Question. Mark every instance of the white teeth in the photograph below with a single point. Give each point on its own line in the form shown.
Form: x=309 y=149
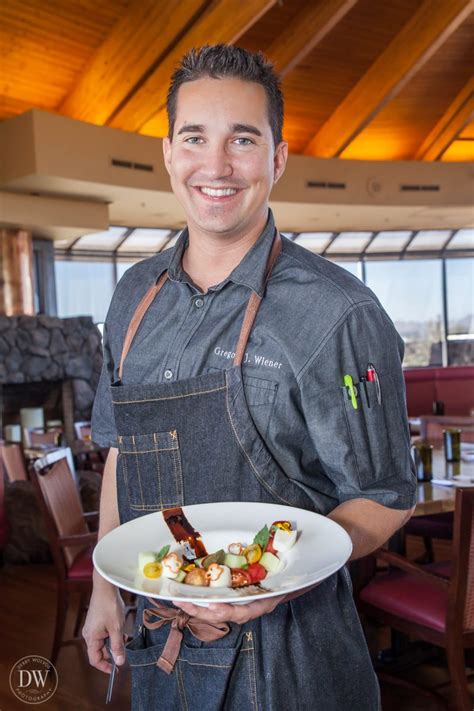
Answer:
x=215 y=192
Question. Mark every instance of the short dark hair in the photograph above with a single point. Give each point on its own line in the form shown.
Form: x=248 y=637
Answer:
x=223 y=60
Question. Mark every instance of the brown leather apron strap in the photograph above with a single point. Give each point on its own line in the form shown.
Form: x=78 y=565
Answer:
x=137 y=318
x=254 y=303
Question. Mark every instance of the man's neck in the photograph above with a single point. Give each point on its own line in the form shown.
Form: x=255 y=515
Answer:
x=208 y=259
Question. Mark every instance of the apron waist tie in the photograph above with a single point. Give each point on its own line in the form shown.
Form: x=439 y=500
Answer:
x=204 y=631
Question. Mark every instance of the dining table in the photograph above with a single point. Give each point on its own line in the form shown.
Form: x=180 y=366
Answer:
x=435 y=498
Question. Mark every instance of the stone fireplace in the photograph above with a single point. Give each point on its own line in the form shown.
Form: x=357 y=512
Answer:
x=49 y=362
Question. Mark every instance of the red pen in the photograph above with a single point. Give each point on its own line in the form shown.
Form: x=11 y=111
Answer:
x=372 y=377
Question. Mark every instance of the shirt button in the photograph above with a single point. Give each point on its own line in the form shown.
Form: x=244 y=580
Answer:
x=198 y=303
x=168 y=374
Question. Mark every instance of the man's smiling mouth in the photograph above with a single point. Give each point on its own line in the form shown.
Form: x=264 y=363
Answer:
x=217 y=192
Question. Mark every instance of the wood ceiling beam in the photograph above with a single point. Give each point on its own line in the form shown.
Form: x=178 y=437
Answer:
x=137 y=42
x=224 y=21
x=420 y=38
x=302 y=35
x=459 y=113
x=305 y=32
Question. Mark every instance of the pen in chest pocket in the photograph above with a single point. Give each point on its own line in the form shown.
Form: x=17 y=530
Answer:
x=363 y=381
x=351 y=390
x=372 y=377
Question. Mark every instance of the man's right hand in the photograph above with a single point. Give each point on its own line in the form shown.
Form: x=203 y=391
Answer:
x=105 y=618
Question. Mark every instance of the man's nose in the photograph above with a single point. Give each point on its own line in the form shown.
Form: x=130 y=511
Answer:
x=218 y=163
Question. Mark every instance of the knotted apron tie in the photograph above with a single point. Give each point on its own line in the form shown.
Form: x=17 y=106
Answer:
x=204 y=631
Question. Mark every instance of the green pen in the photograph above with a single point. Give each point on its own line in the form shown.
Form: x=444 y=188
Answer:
x=349 y=383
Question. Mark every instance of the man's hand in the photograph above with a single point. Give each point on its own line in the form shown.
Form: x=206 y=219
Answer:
x=105 y=618
x=225 y=612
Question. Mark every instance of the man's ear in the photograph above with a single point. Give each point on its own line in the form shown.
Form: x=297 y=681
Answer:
x=279 y=160
x=167 y=153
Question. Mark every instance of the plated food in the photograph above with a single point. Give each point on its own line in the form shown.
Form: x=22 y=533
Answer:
x=237 y=564
x=321 y=548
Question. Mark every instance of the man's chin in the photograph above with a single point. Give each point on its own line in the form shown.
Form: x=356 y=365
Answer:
x=217 y=226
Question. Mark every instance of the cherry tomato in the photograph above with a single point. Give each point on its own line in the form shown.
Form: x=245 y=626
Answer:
x=240 y=577
x=257 y=572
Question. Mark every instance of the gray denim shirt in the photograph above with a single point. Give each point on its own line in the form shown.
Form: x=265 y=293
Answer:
x=317 y=322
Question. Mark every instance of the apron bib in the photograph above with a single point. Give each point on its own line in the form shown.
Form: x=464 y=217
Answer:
x=194 y=441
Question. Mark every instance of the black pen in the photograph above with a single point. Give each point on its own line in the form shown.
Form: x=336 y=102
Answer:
x=363 y=380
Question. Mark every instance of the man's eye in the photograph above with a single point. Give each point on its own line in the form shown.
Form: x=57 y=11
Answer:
x=243 y=141
x=193 y=139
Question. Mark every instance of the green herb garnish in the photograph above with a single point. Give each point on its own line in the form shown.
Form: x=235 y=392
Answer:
x=162 y=553
x=217 y=557
x=262 y=537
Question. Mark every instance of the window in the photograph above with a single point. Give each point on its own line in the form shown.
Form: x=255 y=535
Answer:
x=349 y=242
x=84 y=288
x=145 y=240
x=460 y=304
x=410 y=292
x=314 y=241
x=392 y=241
x=105 y=241
x=352 y=267
x=122 y=268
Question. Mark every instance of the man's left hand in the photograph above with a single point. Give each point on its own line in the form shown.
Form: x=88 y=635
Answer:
x=225 y=612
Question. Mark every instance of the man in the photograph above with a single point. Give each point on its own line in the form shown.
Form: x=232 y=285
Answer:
x=224 y=380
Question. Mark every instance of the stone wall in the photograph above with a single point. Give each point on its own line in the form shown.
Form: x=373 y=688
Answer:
x=47 y=348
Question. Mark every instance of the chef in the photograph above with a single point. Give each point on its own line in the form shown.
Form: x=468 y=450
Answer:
x=240 y=367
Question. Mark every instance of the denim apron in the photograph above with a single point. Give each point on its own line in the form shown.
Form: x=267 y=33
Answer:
x=193 y=441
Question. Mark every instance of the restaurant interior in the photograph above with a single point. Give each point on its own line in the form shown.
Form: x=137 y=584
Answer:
x=379 y=118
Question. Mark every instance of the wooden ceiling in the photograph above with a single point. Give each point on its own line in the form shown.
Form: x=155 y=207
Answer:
x=363 y=79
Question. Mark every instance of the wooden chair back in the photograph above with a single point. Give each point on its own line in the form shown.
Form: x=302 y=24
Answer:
x=4 y=527
x=13 y=461
x=35 y=437
x=460 y=615
x=60 y=501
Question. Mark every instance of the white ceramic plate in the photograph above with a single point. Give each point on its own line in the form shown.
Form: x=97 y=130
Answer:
x=322 y=548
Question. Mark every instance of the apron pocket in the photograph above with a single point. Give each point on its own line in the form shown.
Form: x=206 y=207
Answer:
x=220 y=677
x=148 y=681
x=150 y=465
x=205 y=678
x=260 y=395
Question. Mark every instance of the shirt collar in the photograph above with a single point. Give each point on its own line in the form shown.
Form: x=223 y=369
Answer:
x=249 y=272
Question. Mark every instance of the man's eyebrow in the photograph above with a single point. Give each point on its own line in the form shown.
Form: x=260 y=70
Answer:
x=236 y=128
x=191 y=128
x=246 y=128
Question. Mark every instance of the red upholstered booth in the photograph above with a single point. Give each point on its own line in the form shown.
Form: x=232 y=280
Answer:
x=454 y=386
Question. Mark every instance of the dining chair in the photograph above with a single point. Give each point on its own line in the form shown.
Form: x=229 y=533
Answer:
x=34 y=437
x=13 y=461
x=4 y=526
x=83 y=431
x=437 y=526
x=70 y=538
x=433 y=603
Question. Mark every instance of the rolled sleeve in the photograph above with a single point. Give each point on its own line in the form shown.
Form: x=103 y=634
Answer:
x=364 y=451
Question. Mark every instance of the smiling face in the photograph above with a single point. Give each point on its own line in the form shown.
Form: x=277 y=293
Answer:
x=222 y=159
